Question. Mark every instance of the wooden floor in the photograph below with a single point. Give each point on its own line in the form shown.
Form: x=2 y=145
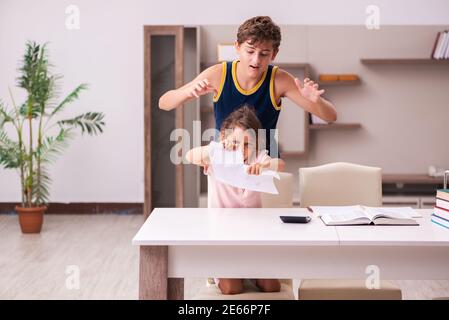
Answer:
x=99 y=246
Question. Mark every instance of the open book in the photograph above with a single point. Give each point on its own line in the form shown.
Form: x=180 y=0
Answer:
x=355 y=215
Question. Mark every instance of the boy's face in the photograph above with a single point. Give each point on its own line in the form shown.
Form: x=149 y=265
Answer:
x=255 y=57
x=243 y=140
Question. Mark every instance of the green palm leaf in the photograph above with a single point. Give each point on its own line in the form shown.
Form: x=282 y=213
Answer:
x=52 y=147
x=9 y=152
x=41 y=188
x=90 y=122
x=5 y=115
x=72 y=96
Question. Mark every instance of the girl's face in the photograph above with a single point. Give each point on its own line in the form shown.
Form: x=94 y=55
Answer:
x=255 y=58
x=243 y=140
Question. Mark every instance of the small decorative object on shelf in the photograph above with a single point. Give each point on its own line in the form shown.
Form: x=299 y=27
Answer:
x=335 y=79
x=328 y=77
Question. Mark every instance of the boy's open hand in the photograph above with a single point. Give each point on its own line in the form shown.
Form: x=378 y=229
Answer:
x=200 y=88
x=256 y=168
x=309 y=90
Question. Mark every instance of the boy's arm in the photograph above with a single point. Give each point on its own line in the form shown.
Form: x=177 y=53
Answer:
x=198 y=156
x=307 y=96
x=206 y=82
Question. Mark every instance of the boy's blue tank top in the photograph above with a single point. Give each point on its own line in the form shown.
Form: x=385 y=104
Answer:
x=231 y=96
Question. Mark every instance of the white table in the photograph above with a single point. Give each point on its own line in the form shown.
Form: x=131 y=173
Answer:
x=176 y=243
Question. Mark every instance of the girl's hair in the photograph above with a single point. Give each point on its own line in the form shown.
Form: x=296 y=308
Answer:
x=258 y=29
x=244 y=117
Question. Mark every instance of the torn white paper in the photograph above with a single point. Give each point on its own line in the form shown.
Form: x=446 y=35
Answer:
x=228 y=167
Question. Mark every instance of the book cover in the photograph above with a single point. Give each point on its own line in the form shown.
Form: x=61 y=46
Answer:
x=442 y=213
x=439 y=221
x=432 y=55
x=441 y=203
x=438 y=46
x=443 y=194
x=445 y=45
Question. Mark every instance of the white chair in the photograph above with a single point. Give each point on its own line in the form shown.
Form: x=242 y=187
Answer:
x=342 y=184
x=339 y=184
x=250 y=290
x=285 y=197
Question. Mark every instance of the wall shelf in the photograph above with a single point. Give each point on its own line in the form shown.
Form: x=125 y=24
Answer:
x=405 y=61
x=334 y=126
x=411 y=178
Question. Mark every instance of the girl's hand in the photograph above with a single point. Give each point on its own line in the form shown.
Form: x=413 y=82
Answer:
x=200 y=88
x=309 y=90
x=256 y=168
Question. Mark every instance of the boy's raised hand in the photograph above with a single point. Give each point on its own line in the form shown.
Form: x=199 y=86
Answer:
x=309 y=90
x=200 y=88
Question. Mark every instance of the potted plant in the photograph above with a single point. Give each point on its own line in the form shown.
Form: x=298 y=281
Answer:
x=41 y=134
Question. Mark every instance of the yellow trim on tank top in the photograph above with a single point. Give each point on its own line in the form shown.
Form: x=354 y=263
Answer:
x=272 y=97
x=240 y=89
x=222 y=81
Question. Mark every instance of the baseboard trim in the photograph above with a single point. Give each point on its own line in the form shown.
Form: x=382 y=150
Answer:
x=82 y=208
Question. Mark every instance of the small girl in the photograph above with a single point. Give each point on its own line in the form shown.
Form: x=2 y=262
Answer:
x=238 y=132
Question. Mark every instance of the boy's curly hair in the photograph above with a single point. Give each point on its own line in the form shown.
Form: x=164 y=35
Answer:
x=258 y=29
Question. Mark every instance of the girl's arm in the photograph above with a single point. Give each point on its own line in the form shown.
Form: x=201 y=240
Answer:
x=206 y=82
x=198 y=156
x=308 y=96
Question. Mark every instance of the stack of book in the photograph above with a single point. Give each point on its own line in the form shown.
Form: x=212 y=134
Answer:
x=440 y=214
x=441 y=46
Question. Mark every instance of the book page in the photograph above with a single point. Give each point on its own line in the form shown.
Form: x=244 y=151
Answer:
x=344 y=219
x=340 y=214
x=395 y=222
x=391 y=212
x=228 y=167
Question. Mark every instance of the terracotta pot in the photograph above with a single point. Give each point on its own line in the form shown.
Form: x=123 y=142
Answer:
x=31 y=219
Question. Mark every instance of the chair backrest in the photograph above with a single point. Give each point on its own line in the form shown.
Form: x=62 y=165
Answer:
x=340 y=183
x=285 y=197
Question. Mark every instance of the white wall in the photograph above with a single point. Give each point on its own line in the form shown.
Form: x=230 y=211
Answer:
x=107 y=52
